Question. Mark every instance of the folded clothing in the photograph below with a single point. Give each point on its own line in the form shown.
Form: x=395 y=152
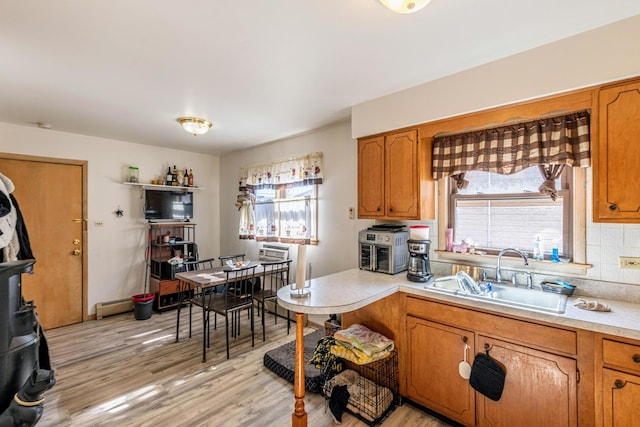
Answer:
x=364 y=339
x=591 y=305
x=352 y=354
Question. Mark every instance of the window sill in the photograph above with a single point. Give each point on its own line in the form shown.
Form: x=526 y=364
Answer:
x=510 y=262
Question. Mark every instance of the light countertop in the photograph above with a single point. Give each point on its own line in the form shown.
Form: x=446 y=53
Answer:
x=353 y=289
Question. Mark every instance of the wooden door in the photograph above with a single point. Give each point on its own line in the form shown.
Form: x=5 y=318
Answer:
x=401 y=175
x=621 y=394
x=617 y=158
x=50 y=195
x=433 y=377
x=540 y=388
x=371 y=198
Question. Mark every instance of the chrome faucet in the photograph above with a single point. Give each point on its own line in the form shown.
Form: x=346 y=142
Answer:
x=502 y=252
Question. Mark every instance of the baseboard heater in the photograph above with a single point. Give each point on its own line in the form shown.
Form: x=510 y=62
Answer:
x=109 y=308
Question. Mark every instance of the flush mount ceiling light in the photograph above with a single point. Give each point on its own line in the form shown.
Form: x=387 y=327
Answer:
x=405 y=6
x=194 y=125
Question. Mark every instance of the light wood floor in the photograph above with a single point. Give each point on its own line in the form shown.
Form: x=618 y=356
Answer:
x=122 y=372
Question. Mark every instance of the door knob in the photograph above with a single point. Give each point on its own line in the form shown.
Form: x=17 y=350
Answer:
x=76 y=251
x=76 y=241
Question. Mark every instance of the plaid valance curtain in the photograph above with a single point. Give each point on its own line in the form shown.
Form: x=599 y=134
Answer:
x=558 y=140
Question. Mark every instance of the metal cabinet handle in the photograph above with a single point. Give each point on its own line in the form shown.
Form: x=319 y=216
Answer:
x=618 y=383
x=76 y=251
x=612 y=207
x=636 y=358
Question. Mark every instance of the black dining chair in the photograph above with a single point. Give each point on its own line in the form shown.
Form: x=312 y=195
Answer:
x=197 y=297
x=230 y=261
x=274 y=277
x=236 y=296
x=233 y=258
x=186 y=294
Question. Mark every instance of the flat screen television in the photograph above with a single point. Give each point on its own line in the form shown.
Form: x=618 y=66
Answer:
x=162 y=205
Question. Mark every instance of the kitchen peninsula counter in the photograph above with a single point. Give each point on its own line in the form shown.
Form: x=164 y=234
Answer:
x=352 y=289
x=386 y=301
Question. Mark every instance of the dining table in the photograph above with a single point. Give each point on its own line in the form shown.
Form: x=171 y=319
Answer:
x=205 y=279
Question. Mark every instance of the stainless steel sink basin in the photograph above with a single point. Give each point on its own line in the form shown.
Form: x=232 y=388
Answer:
x=505 y=295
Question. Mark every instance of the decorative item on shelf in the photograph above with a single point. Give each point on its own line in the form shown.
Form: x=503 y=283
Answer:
x=180 y=178
x=194 y=125
x=133 y=174
x=174 y=176
x=449 y=236
x=169 y=177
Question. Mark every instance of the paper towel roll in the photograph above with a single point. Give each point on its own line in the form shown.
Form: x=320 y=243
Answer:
x=301 y=268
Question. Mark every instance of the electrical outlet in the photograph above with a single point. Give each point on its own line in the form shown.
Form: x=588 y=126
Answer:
x=98 y=224
x=351 y=213
x=629 y=262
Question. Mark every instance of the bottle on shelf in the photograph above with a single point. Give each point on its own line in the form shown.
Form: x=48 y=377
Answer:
x=169 y=176
x=174 y=174
x=555 y=256
x=538 y=248
x=190 y=179
x=186 y=177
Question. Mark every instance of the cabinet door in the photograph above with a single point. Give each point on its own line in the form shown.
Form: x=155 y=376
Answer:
x=433 y=379
x=621 y=394
x=401 y=175
x=618 y=154
x=371 y=202
x=540 y=388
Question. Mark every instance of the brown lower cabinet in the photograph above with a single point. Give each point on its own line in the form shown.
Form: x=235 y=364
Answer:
x=540 y=386
x=435 y=352
x=620 y=383
x=555 y=375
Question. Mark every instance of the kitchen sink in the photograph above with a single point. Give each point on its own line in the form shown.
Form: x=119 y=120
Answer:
x=503 y=294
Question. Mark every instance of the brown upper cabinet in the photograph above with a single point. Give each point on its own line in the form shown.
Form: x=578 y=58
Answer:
x=616 y=154
x=394 y=179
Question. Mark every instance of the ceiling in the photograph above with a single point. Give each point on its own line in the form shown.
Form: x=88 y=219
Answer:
x=260 y=71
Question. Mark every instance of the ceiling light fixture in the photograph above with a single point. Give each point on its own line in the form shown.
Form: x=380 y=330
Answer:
x=194 y=125
x=405 y=6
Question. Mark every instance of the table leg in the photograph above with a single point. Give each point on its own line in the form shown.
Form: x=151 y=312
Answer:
x=178 y=310
x=299 y=416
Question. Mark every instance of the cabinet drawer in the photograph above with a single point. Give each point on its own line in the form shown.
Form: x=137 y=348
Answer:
x=532 y=334
x=621 y=355
x=168 y=287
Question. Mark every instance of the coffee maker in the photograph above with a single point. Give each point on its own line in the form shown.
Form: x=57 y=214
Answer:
x=419 y=267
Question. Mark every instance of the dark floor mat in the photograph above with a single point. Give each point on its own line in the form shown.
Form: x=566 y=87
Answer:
x=281 y=361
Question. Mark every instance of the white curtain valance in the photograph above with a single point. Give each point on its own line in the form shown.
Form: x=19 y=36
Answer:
x=302 y=170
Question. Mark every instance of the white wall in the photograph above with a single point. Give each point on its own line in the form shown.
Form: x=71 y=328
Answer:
x=604 y=54
x=116 y=250
x=337 y=249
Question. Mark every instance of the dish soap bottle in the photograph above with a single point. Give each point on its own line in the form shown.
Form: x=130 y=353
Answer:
x=538 y=248
x=554 y=252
